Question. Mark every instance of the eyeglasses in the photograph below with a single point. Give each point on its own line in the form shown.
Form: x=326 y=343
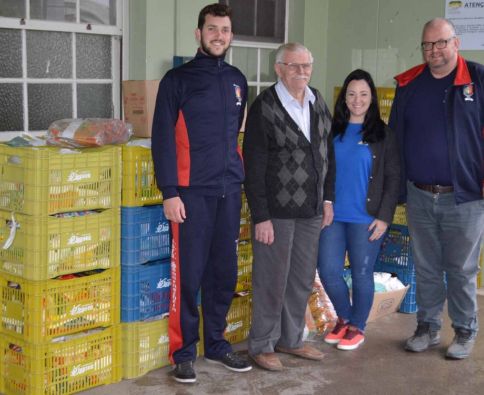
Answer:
x=440 y=44
x=296 y=66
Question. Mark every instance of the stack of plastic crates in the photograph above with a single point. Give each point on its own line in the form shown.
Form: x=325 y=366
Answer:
x=239 y=315
x=244 y=250
x=239 y=318
x=59 y=269
x=145 y=264
x=396 y=257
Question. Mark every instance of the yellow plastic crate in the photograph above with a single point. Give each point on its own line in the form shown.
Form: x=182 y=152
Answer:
x=385 y=100
x=139 y=184
x=37 y=311
x=47 y=180
x=2 y=388
x=239 y=319
x=145 y=346
x=400 y=216
x=244 y=230
x=245 y=219
x=244 y=212
x=66 y=367
x=240 y=139
x=45 y=247
x=244 y=266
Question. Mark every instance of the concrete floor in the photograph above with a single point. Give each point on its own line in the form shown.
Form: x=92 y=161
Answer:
x=380 y=366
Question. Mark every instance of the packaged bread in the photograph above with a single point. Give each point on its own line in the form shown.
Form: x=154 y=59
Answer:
x=88 y=132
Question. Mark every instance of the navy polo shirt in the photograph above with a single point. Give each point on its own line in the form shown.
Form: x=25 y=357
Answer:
x=425 y=147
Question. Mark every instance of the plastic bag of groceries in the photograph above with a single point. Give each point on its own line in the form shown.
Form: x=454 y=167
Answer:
x=88 y=132
x=321 y=308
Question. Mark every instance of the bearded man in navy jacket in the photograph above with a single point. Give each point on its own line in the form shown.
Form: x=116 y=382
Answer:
x=198 y=167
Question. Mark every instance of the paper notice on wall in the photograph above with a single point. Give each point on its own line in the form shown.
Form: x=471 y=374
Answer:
x=468 y=18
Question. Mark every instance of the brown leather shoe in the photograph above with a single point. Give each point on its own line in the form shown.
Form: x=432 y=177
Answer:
x=268 y=361
x=305 y=351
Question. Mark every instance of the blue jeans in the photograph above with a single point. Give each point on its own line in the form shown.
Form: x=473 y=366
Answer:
x=445 y=237
x=334 y=241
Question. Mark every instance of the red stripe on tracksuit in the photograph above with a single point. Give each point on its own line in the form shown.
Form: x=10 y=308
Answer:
x=174 y=325
x=239 y=151
x=182 y=151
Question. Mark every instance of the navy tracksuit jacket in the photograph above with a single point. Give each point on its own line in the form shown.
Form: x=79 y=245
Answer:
x=199 y=111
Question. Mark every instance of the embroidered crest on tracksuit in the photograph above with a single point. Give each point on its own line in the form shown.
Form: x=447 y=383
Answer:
x=238 y=95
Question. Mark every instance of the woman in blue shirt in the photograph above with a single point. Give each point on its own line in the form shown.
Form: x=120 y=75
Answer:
x=367 y=187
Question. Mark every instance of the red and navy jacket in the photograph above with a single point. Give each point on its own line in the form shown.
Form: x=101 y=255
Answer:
x=464 y=110
x=198 y=114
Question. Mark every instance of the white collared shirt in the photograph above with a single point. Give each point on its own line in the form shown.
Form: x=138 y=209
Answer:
x=299 y=113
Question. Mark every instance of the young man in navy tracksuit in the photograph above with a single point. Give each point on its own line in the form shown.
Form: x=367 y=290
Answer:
x=198 y=166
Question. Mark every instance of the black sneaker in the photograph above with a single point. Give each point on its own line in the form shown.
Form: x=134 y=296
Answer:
x=232 y=361
x=184 y=372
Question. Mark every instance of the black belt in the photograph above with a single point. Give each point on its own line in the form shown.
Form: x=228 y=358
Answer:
x=435 y=188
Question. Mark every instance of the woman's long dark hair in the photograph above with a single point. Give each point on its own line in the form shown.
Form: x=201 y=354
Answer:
x=373 y=126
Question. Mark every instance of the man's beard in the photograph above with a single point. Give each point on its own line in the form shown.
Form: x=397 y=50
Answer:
x=209 y=52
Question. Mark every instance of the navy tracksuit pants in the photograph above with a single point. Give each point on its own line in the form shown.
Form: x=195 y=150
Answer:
x=204 y=254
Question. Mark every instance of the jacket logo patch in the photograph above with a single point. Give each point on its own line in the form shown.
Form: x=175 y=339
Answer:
x=238 y=95
x=468 y=92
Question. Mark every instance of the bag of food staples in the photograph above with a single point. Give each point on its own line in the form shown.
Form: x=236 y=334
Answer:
x=88 y=132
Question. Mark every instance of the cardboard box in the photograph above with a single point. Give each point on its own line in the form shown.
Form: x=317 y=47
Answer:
x=386 y=302
x=139 y=99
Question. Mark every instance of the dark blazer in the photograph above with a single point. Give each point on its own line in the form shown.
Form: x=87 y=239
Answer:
x=384 y=185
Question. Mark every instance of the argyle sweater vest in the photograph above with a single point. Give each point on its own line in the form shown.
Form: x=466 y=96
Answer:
x=291 y=182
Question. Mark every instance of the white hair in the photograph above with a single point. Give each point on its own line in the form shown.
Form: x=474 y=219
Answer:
x=291 y=47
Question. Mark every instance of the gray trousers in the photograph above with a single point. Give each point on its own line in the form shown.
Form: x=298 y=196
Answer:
x=445 y=237
x=282 y=279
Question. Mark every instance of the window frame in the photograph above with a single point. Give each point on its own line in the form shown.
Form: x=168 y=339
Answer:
x=119 y=62
x=260 y=45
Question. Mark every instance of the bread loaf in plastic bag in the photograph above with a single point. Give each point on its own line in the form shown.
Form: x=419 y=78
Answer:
x=88 y=132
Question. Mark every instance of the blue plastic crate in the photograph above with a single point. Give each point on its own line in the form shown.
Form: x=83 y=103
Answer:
x=145 y=235
x=145 y=290
x=396 y=257
x=395 y=249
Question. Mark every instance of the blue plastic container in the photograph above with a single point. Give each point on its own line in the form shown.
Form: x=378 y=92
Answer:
x=145 y=235
x=145 y=290
x=396 y=257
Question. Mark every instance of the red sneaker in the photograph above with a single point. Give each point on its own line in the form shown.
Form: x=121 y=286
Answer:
x=337 y=333
x=351 y=340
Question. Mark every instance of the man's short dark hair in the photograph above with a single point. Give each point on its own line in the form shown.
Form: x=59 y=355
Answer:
x=215 y=9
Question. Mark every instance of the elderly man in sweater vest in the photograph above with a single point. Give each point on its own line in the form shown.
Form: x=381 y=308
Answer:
x=289 y=166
